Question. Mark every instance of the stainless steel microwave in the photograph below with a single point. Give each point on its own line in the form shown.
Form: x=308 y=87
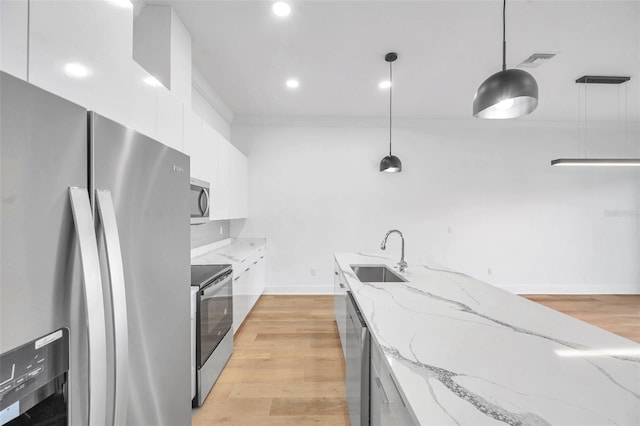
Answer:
x=199 y=201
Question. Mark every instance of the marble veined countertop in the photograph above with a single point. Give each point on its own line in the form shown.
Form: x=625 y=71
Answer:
x=234 y=252
x=467 y=353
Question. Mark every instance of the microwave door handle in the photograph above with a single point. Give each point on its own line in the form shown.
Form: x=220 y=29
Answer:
x=92 y=282
x=205 y=211
x=108 y=223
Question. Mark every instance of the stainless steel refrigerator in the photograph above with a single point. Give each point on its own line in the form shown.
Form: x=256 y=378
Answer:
x=95 y=238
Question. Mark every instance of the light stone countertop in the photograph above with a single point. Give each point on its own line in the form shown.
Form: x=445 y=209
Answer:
x=237 y=251
x=467 y=353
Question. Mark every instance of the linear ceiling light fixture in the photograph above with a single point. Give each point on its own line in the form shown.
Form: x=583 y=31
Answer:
x=599 y=162
x=508 y=93
x=390 y=163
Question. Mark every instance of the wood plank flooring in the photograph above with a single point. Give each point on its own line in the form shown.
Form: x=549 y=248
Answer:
x=619 y=314
x=287 y=366
x=286 y=369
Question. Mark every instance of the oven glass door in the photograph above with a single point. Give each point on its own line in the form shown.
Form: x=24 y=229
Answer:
x=215 y=317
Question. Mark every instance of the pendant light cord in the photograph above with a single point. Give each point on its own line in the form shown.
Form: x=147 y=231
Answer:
x=504 y=36
x=390 y=97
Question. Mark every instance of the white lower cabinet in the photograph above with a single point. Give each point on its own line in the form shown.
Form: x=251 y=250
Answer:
x=249 y=282
x=386 y=405
x=240 y=299
x=257 y=278
x=340 y=306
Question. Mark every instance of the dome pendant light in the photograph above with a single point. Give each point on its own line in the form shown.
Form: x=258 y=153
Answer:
x=390 y=163
x=508 y=93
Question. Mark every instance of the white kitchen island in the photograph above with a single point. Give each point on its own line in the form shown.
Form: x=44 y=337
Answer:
x=464 y=352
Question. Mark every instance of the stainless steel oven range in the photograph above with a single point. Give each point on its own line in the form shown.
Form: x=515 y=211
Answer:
x=214 y=321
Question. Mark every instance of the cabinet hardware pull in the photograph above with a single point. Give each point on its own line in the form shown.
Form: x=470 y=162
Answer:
x=397 y=390
x=385 y=398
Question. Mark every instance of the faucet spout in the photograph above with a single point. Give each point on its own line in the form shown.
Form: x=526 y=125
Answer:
x=402 y=265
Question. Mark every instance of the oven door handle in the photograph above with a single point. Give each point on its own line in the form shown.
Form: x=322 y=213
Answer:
x=108 y=225
x=215 y=287
x=92 y=282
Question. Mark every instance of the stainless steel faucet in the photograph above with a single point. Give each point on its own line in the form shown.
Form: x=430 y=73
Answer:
x=402 y=265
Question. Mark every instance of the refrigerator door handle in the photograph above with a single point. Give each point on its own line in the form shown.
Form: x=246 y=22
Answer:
x=88 y=248
x=107 y=216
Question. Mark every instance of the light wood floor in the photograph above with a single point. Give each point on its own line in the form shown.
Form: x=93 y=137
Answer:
x=287 y=366
x=619 y=314
x=286 y=369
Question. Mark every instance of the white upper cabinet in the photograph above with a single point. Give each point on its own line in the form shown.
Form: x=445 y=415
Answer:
x=210 y=152
x=221 y=196
x=170 y=119
x=81 y=50
x=144 y=100
x=192 y=142
x=238 y=185
x=14 y=18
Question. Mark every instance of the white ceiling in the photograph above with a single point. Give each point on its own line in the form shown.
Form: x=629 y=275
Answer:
x=446 y=49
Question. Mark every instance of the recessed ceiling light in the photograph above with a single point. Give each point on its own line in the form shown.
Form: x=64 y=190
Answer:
x=76 y=70
x=281 y=8
x=152 y=81
x=384 y=84
x=293 y=84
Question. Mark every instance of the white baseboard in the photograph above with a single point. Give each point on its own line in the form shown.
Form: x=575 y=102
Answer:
x=574 y=289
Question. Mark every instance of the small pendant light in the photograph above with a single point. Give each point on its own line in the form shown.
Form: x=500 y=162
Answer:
x=390 y=163
x=508 y=93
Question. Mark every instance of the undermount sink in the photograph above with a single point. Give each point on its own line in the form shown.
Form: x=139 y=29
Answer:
x=376 y=274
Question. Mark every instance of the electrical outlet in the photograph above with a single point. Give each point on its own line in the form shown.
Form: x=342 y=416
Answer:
x=313 y=272
x=221 y=230
x=489 y=271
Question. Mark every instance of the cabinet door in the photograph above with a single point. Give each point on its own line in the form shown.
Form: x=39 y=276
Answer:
x=144 y=117
x=240 y=299
x=340 y=306
x=170 y=119
x=211 y=151
x=379 y=412
x=256 y=278
x=261 y=273
x=387 y=406
x=192 y=136
x=221 y=197
x=95 y=36
x=238 y=198
x=14 y=17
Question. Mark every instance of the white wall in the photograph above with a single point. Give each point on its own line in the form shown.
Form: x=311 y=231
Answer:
x=473 y=195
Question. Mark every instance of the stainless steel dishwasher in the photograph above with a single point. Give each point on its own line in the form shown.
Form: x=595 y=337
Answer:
x=358 y=354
